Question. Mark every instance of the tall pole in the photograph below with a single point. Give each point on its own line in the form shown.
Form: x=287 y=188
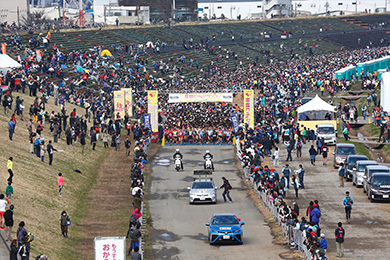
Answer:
x=17 y=11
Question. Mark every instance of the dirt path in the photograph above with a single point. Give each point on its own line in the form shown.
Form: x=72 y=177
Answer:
x=109 y=203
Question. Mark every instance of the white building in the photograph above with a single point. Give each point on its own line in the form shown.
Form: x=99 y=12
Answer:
x=277 y=8
x=231 y=9
x=125 y=14
x=13 y=11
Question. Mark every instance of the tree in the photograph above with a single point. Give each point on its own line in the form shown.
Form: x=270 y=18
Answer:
x=35 y=18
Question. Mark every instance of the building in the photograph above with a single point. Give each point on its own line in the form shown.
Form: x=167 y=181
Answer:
x=230 y=9
x=164 y=9
x=13 y=11
x=125 y=14
x=277 y=8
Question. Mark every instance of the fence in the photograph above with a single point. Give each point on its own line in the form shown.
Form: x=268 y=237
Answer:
x=294 y=237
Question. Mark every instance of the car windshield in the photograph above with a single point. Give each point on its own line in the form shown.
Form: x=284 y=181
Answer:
x=326 y=130
x=346 y=150
x=225 y=220
x=377 y=170
x=381 y=180
x=362 y=167
x=352 y=161
x=202 y=185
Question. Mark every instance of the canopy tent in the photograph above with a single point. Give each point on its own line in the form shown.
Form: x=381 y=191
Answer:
x=316 y=104
x=7 y=63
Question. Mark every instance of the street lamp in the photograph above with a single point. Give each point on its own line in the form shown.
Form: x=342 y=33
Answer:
x=231 y=11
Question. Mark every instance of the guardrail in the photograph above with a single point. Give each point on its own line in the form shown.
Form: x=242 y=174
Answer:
x=294 y=237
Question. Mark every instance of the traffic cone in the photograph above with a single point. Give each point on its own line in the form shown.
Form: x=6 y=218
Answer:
x=163 y=141
x=369 y=120
x=234 y=141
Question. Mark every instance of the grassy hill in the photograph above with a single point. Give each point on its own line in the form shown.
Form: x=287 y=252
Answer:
x=36 y=198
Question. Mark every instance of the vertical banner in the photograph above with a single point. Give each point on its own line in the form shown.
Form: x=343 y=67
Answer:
x=129 y=101
x=249 y=108
x=3 y=48
x=147 y=123
x=119 y=102
x=152 y=109
x=234 y=117
x=110 y=248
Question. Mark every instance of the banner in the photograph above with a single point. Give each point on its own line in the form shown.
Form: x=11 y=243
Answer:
x=3 y=48
x=110 y=248
x=152 y=109
x=147 y=123
x=235 y=122
x=200 y=97
x=129 y=101
x=119 y=102
x=249 y=108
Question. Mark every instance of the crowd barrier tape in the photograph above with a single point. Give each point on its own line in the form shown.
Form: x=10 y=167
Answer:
x=294 y=238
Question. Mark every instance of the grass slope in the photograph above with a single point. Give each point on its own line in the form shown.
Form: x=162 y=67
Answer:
x=36 y=197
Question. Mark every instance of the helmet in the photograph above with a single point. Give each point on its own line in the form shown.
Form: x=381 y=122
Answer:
x=207 y=151
x=177 y=150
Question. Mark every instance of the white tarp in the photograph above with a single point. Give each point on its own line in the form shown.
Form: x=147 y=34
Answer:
x=385 y=91
x=200 y=97
x=7 y=63
x=316 y=104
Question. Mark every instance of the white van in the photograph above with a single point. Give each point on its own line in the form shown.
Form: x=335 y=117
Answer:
x=328 y=132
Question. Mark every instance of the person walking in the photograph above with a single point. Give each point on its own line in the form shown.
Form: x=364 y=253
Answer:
x=64 y=222
x=341 y=174
x=340 y=235
x=275 y=157
x=82 y=141
x=9 y=191
x=289 y=150
x=127 y=145
x=11 y=128
x=60 y=181
x=287 y=172
x=227 y=187
x=10 y=166
x=50 y=150
x=3 y=202
x=325 y=150
x=301 y=174
x=134 y=234
x=348 y=202
x=312 y=153
x=295 y=183
x=9 y=222
x=299 y=148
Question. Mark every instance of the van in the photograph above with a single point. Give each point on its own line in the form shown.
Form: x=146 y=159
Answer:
x=327 y=132
x=369 y=171
x=350 y=163
x=341 y=151
x=379 y=186
x=358 y=172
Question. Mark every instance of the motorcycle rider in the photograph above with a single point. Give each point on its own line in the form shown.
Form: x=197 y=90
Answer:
x=208 y=155
x=178 y=155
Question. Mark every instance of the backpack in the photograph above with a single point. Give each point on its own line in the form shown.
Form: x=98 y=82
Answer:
x=132 y=219
x=319 y=214
x=349 y=202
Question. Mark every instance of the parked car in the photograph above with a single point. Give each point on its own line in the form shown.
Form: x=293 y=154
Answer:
x=327 y=132
x=341 y=151
x=358 y=171
x=379 y=186
x=350 y=163
x=369 y=171
x=225 y=227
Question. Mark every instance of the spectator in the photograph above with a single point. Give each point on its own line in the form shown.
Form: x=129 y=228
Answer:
x=60 y=181
x=64 y=222
x=9 y=222
x=50 y=151
x=20 y=231
x=10 y=166
x=348 y=202
x=341 y=174
x=13 y=255
x=9 y=191
x=323 y=242
x=3 y=202
x=340 y=235
x=312 y=153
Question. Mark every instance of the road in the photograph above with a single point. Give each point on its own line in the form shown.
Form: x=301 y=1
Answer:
x=4 y=249
x=367 y=237
x=179 y=230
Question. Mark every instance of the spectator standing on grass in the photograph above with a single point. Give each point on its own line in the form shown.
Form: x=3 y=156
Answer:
x=60 y=181
x=341 y=174
x=64 y=222
x=50 y=150
x=9 y=222
x=13 y=255
x=348 y=202
x=127 y=145
x=10 y=166
x=105 y=138
x=3 y=202
x=43 y=151
x=20 y=231
x=11 y=128
x=340 y=235
x=9 y=191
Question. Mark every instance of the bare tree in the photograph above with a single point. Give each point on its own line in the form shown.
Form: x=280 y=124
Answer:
x=35 y=18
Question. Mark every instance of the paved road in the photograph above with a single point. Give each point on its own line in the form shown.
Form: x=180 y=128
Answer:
x=4 y=250
x=179 y=230
x=367 y=236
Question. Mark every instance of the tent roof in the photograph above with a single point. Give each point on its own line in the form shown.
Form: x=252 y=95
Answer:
x=316 y=104
x=7 y=62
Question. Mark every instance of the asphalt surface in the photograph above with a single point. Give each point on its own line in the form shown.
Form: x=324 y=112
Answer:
x=179 y=230
x=367 y=237
x=4 y=250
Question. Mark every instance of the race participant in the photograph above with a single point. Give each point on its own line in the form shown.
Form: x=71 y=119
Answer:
x=178 y=154
x=208 y=155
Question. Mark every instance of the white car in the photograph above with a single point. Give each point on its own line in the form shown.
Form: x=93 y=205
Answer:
x=203 y=190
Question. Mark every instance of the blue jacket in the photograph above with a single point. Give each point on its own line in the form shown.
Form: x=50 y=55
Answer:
x=324 y=243
x=346 y=204
x=315 y=215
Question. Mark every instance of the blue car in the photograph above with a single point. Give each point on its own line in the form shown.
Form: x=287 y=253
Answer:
x=225 y=227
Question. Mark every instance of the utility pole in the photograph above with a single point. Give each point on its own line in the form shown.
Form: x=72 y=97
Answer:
x=327 y=7
x=17 y=11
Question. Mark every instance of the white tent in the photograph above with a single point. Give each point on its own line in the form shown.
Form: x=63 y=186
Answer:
x=7 y=63
x=316 y=104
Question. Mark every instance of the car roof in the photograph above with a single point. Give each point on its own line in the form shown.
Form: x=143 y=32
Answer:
x=319 y=125
x=356 y=156
x=367 y=162
x=375 y=174
x=224 y=214
x=345 y=145
x=203 y=180
x=376 y=167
